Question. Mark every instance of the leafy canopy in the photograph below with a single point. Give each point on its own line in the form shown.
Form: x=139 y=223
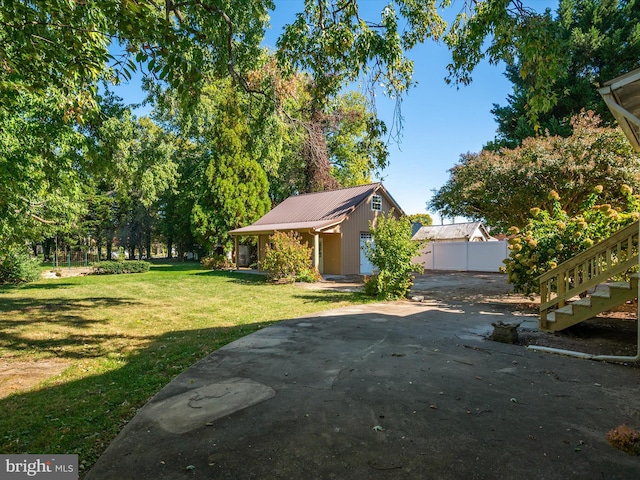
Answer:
x=500 y=188
x=600 y=40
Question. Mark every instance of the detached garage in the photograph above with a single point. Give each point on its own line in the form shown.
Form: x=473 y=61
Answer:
x=334 y=223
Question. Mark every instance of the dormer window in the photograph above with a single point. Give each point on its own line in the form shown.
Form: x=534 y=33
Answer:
x=376 y=203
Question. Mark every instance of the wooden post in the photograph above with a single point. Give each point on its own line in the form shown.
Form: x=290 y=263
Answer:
x=316 y=251
x=236 y=250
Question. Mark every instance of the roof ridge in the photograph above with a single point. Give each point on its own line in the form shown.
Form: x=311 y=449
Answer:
x=335 y=189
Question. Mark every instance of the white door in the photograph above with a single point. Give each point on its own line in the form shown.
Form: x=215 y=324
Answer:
x=366 y=267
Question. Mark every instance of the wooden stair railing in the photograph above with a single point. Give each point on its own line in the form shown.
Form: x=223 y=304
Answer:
x=613 y=256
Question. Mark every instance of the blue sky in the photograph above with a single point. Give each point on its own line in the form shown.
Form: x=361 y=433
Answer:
x=441 y=122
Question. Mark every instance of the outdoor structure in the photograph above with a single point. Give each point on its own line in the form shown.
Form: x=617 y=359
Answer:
x=460 y=247
x=456 y=232
x=622 y=96
x=335 y=223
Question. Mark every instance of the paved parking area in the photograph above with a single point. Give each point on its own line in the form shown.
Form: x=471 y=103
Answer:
x=388 y=390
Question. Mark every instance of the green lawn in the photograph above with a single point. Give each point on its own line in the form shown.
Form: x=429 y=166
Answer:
x=125 y=337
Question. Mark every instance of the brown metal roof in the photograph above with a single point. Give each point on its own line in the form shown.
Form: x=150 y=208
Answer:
x=315 y=211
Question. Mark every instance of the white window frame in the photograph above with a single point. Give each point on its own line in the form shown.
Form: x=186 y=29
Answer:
x=376 y=203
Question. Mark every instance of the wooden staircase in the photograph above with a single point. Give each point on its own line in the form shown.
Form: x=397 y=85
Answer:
x=582 y=287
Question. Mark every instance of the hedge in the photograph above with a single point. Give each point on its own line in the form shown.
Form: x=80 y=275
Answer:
x=113 y=268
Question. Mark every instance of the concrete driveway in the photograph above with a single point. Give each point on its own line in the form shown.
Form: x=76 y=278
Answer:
x=383 y=391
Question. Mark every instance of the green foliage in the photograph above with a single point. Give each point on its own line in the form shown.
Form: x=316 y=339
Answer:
x=391 y=253
x=501 y=187
x=222 y=185
x=553 y=236
x=513 y=33
x=599 y=41
x=337 y=45
x=66 y=46
x=423 y=218
x=286 y=258
x=40 y=170
x=216 y=262
x=308 y=275
x=16 y=266
x=355 y=145
x=115 y=267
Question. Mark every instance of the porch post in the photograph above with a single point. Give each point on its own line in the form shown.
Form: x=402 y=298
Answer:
x=316 y=251
x=236 y=251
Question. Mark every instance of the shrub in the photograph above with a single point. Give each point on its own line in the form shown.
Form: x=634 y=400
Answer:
x=552 y=237
x=625 y=439
x=16 y=266
x=308 y=275
x=392 y=252
x=371 y=286
x=216 y=262
x=118 y=267
x=286 y=257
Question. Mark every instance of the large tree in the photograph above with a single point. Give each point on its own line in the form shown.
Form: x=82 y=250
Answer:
x=59 y=51
x=234 y=190
x=501 y=187
x=41 y=170
x=601 y=40
x=222 y=185
x=70 y=45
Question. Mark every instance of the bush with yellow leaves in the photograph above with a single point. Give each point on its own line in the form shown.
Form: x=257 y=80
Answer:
x=552 y=237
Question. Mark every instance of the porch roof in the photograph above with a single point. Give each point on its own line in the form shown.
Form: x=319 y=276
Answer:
x=622 y=96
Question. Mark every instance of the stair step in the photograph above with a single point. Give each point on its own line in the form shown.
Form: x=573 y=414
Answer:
x=601 y=294
x=583 y=302
x=624 y=285
x=566 y=310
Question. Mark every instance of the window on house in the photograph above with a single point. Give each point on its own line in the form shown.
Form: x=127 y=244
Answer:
x=376 y=203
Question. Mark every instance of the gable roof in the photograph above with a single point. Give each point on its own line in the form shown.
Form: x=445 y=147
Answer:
x=315 y=211
x=449 y=232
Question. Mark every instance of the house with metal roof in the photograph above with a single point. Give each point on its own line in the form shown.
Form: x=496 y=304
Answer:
x=334 y=223
x=455 y=232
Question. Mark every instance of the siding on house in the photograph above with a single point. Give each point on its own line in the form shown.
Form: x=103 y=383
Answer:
x=358 y=222
x=338 y=217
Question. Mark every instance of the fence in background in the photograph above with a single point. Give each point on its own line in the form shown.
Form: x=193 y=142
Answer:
x=73 y=259
x=464 y=256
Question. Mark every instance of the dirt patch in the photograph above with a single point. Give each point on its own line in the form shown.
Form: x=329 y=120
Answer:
x=16 y=375
x=610 y=333
x=66 y=272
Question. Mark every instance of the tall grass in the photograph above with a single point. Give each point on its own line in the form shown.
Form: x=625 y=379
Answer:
x=123 y=338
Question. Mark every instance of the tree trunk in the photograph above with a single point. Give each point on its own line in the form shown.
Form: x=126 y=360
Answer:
x=169 y=248
x=149 y=253
x=316 y=157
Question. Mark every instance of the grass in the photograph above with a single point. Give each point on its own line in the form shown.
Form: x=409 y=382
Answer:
x=124 y=338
